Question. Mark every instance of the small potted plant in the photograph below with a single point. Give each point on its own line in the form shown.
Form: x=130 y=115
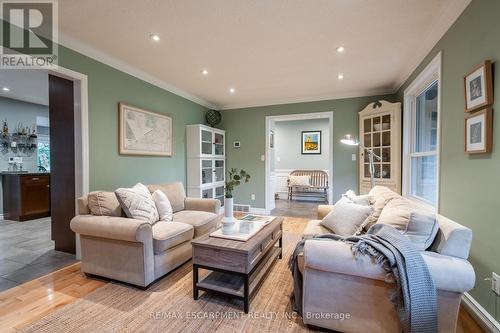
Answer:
x=235 y=177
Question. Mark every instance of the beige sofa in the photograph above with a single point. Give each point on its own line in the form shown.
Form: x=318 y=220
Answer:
x=335 y=283
x=135 y=251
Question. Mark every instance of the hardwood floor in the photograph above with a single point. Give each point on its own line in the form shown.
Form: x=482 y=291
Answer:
x=33 y=300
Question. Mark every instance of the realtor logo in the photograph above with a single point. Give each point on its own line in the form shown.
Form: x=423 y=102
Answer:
x=29 y=34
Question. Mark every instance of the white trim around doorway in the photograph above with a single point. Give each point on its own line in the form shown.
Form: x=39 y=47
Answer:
x=269 y=199
x=80 y=84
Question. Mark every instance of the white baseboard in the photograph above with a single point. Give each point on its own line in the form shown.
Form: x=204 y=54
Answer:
x=1 y=216
x=482 y=317
x=259 y=211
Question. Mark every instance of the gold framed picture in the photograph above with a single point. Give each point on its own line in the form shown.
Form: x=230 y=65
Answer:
x=479 y=132
x=143 y=132
x=478 y=86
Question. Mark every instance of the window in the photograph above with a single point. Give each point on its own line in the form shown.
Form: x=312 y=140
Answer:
x=421 y=137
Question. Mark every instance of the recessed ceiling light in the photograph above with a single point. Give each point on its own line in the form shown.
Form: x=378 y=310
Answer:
x=5 y=89
x=204 y=72
x=232 y=90
x=340 y=49
x=340 y=76
x=155 y=37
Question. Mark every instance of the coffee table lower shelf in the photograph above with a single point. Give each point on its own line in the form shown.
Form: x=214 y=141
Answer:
x=234 y=284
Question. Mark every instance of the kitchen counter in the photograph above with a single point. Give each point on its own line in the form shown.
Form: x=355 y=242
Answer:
x=28 y=173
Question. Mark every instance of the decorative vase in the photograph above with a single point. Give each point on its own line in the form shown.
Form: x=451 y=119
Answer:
x=228 y=222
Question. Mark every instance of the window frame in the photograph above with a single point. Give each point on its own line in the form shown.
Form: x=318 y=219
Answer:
x=430 y=75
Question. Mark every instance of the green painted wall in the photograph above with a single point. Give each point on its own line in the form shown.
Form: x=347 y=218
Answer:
x=108 y=86
x=248 y=126
x=470 y=185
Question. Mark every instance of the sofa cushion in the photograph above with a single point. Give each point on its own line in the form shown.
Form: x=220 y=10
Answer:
x=175 y=194
x=203 y=222
x=137 y=203
x=381 y=196
x=346 y=217
x=163 y=206
x=314 y=228
x=397 y=213
x=169 y=234
x=422 y=229
x=102 y=203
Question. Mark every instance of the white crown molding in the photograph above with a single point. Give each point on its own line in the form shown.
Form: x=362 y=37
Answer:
x=125 y=67
x=442 y=25
x=291 y=100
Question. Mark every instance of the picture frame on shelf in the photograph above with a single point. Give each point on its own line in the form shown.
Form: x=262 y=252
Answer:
x=478 y=87
x=479 y=132
x=143 y=132
x=311 y=142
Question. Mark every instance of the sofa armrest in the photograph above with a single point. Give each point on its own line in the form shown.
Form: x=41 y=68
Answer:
x=323 y=210
x=450 y=273
x=118 y=228
x=337 y=257
x=202 y=204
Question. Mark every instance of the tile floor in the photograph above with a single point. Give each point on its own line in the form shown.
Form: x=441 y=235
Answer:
x=27 y=252
x=295 y=208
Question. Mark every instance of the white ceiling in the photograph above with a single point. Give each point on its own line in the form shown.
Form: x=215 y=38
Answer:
x=26 y=85
x=271 y=52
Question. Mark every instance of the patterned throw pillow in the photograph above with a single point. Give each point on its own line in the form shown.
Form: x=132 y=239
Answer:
x=300 y=180
x=137 y=203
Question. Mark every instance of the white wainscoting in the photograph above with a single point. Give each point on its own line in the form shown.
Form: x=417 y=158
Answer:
x=280 y=184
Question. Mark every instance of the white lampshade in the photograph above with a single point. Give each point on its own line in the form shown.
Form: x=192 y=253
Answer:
x=350 y=140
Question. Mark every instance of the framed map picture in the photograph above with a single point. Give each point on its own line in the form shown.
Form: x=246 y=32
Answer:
x=311 y=142
x=479 y=132
x=478 y=86
x=143 y=132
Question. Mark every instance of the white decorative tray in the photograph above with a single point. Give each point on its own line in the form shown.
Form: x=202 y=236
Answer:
x=259 y=222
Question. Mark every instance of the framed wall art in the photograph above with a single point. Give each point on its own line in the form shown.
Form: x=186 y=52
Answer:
x=311 y=142
x=479 y=132
x=143 y=132
x=478 y=86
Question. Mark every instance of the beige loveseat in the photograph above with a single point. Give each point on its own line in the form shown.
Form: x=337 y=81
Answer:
x=135 y=251
x=336 y=284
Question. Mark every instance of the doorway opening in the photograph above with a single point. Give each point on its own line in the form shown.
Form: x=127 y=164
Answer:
x=35 y=238
x=299 y=145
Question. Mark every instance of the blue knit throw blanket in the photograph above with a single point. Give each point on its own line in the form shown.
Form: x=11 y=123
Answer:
x=415 y=297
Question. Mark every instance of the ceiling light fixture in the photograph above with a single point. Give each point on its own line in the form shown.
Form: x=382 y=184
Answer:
x=204 y=72
x=5 y=89
x=340 y=76
x=232 y=90
x=155 y=37
x=340 y=49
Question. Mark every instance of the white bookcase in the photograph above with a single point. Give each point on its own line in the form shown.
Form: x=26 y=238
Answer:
x=380 y=130
x=206 y=162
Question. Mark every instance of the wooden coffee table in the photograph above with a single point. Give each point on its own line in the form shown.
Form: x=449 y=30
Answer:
x=237 y=268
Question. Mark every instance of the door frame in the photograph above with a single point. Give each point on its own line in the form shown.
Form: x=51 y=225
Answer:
x=269 y=199
x=80 y=88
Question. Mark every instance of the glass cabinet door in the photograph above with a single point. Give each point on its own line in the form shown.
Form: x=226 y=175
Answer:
x=206 y=142
x=219 y=144
x=219 y=170
x=219 y=194
x=207 y=194
x=207 y=172
x=376 y=136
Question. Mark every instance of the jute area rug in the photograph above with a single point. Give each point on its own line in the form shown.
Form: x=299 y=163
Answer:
x=168 y=306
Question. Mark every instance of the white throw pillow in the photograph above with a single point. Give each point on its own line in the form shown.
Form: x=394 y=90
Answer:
x=346 y=217
x=364 y=199
x=299 y=180
x=137 y=203
x=163 y=206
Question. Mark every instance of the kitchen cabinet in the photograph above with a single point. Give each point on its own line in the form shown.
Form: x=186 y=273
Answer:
x=26 y=196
